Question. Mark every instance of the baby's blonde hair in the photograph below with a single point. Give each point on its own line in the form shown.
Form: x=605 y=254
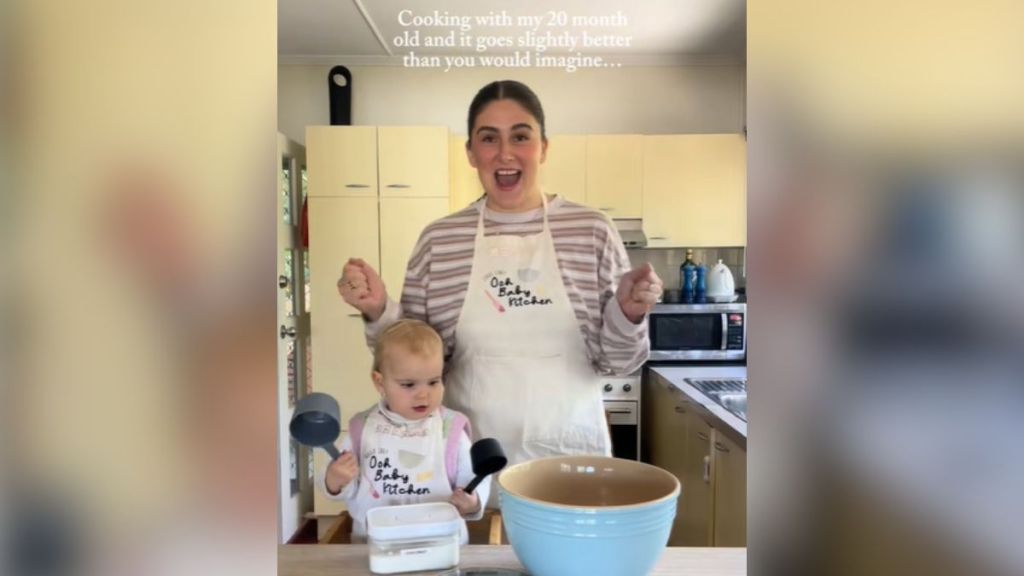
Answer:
x=413 y=336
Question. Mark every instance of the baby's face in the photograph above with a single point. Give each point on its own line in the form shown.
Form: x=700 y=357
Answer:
x=411 y=383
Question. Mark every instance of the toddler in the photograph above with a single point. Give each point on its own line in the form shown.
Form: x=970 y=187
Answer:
x=407 y=449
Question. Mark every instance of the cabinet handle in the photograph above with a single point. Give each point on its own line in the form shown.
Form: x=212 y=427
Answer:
x=356 y=315
x=607 y=208
x=399 y=186
x=357 y=185
x=721 y=448
x=707 y=469
x=703 y=436
x=680 y=410
x=659 y=237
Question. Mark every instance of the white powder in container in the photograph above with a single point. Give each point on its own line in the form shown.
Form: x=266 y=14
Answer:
x=414 y=555
x=413 y=537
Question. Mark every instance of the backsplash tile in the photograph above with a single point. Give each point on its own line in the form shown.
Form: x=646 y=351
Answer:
x=666 y=262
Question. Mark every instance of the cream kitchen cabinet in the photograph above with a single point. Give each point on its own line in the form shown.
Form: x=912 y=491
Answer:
x=680 y=442
x=407 y=187
x=694 y=190
x=390 y=161
x=667 y=415
x=401 y=222
x=413 y=161
x=664 y=426
x=615 y=174
x=564 y=172
x=339 y=228
x=711 y=467
x=342 y=160
x=730 y=466
x=696 y=504
x=383 y=232
x=465 y=184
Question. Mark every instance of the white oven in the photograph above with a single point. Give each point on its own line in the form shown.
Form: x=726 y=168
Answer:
x=622 y=407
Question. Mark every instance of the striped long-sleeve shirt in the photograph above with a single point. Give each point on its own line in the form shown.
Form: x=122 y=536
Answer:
x=590 y=255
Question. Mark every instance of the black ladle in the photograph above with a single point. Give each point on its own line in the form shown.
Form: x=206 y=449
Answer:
x=488 y=458
x=316 y=422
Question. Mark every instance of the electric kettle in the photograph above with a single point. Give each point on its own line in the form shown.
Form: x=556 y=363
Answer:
x=721 y=286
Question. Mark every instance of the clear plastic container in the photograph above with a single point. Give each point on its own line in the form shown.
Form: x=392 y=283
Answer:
x=413 y=537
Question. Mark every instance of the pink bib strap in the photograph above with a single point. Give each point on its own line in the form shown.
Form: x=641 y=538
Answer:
x=355 y=431
x=455 y=423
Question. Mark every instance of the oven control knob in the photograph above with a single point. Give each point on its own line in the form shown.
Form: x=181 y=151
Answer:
x=627 y=387
x=608 y=387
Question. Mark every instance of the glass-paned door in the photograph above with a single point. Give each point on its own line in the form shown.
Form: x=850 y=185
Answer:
x=296 y=487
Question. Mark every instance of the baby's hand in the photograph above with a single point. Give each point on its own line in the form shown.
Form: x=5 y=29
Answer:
x=467 y=504
x=341 y=472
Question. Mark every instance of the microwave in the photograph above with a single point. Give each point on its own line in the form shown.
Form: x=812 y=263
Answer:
x=698 y=332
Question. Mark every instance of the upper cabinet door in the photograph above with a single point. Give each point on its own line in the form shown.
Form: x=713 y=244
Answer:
x=695 y=191
x=413 y=161
x=564 y=172
x=342 y=160
x=465 y=183
x=615 y=168
x=662 y=213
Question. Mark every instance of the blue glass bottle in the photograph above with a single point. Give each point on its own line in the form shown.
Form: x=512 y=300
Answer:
x=700 y=288
x=689 y=281
x=688 y=278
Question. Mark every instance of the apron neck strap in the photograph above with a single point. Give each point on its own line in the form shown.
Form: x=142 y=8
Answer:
x=483 y=208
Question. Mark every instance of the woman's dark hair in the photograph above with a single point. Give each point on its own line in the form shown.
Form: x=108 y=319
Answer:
x=506 y=90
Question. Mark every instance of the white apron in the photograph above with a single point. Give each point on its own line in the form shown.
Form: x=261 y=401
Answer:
x=520 y=370
x=402 y=463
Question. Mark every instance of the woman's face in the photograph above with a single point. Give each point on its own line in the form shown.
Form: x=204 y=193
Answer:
x=507 y=149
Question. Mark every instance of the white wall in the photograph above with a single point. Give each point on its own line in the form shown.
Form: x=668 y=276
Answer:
x=639 y=100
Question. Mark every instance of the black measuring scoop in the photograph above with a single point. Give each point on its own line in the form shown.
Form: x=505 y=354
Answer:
x=488 y=458
x=317 y=422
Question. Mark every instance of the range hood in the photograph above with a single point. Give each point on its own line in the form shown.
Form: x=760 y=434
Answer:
x=631 y=231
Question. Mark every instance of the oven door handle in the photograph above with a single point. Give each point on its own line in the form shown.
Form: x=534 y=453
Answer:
x=725 y=331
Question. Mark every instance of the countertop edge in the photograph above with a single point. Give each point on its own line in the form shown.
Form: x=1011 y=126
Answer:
x=343 y=559
x=709 y=408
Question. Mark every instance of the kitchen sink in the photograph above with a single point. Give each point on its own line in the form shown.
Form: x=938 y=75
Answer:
x=735 y=403
x=713 y=386
x=729 y=393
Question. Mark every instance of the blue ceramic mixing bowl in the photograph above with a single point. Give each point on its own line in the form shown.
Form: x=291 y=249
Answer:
x=587 y=515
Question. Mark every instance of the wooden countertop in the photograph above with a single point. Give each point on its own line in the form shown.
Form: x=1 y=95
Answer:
x=346 y=560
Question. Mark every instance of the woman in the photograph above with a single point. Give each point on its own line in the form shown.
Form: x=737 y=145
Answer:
x=532 y=294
